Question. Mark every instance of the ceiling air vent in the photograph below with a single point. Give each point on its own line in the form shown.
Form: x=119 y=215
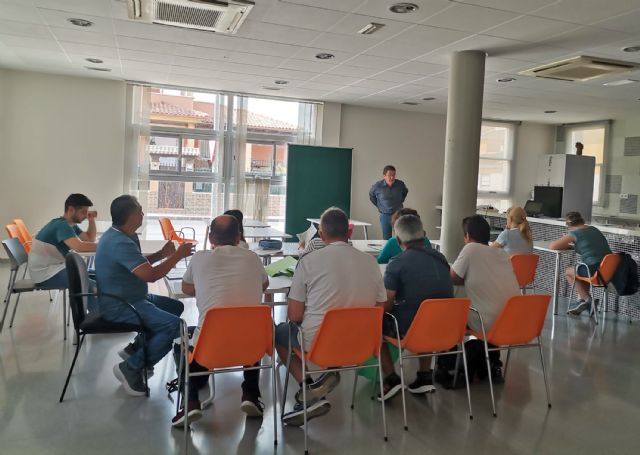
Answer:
x=580 y=69
x=208 y=15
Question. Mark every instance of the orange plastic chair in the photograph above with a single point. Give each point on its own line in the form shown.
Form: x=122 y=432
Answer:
x=345 y=340
x=600 y=279
x=524 y=267
x=439 y=325
x=222 y=348
x=518 y=324
x=169 y=233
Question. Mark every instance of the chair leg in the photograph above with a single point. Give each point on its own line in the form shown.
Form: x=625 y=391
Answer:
x=286 y=383
x=73 y=364
x=64 y=314
x=466 y=378
x=493 y=401
x=455 y=372
x=274 y=398
x=185 y=402
x=355 y=384
x=605 y=303
x=304 y=403
x=506 y=365
x=382 y=402
x=145 y=357
x=9 y=286
x=15 y=307
x=7 y=298
x=544 y=373
x=404 y=400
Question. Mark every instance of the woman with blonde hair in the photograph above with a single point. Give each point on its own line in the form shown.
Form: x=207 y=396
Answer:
x=516 y=238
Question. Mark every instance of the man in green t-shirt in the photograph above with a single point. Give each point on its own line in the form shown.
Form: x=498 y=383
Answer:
x=57 y=238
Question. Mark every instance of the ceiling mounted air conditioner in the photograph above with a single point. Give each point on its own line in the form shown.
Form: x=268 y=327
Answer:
x=580 y=68
x=208 y=15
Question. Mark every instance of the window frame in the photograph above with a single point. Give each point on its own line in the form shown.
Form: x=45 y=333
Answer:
x=512 y=128
x=569 y=149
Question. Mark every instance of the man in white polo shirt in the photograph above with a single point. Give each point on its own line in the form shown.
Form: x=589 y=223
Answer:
x=226 y=275
x=335 y=276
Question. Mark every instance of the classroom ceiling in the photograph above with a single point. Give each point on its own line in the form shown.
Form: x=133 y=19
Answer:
x=405 y=61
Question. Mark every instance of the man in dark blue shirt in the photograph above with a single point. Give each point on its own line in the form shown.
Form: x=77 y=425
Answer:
x=388 y=195
x=416 y=274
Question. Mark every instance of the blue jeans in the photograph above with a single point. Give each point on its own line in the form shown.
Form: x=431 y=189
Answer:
x=160 y=316
x=385 y=224
x=61 y=281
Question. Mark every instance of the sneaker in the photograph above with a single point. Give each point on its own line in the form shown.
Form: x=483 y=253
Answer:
x=194 y=414
x=422 y=384
x=579 y=307
x=127 y=352
x=251 y=405
x=496 y=375
x=295 y=418
x=392 y=385
x=131 y=379
x=320 y=388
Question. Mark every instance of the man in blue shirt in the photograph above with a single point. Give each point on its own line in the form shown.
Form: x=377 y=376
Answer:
x=123 y=271
x=388 y=195
x=416 y=274
x=56 y=238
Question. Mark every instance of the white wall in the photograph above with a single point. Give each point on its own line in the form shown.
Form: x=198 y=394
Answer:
x=60 y=135
x=412 y=142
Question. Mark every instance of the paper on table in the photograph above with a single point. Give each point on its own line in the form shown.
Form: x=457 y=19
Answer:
x=284 y=267
x=307 y=235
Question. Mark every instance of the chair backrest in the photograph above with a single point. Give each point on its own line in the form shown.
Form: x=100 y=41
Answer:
x=524 y=267
x=23 y=229
x=438 y=325
x=520 y=321
x=347 y=336
x=168 y=232
x=608 y=268
x=16 y=252
x=14 y=232
x=78 y=284
x=234 y=336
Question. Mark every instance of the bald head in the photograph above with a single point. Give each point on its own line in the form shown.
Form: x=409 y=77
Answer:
x=225 y=230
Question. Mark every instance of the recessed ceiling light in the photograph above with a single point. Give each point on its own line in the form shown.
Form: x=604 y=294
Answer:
x=80 y=22
x=94 y=60
x=275 y=89
x=370 y=28
x=325 y=56
x=631 y=49
x=97 y=68
x=403 y=8
x=280 y=82
x=620 y=82
x=410 y=103
x=506 y=79
x=428 y=98
x=550 y=112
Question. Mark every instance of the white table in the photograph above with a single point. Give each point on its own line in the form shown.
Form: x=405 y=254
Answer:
x=542 y=245
x=264 y=232
x=372 y=247
x=364 y=224
x=288 y=249
x=255 y=224
x=435 y=243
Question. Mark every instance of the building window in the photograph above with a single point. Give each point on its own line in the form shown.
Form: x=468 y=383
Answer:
x=496 y=155
x=593 y=138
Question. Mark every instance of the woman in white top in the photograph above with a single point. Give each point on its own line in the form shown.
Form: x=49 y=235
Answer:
x=516 y=238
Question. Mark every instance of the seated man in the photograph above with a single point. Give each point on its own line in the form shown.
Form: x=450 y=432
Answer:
x=416 y=274
x=57 y=238
x=335 y=276
x=123 y=271
x=226 y=275
x=488 y=279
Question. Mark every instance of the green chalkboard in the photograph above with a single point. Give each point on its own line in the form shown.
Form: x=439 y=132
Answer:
x=317 y=178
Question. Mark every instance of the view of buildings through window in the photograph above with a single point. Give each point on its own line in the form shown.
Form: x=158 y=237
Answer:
x=210 y=152
x=496 y=152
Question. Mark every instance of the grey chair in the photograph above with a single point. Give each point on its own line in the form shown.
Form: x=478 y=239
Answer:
x=18 y=258
x=92 y=323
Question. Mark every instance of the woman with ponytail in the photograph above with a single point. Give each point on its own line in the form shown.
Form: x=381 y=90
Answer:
x=516 y=238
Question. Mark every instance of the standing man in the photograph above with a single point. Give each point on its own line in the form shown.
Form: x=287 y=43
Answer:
x=57 y=238
x=388 y=195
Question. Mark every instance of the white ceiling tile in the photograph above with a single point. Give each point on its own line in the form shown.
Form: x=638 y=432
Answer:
x=190 y=71
x=143 y=56
x=288 y=74
x=267 y=48
x=344 y=43
x=145 y=66
x=96 y=8
x=375 y=84
x=426 y=9
x=624 y=23
x=374 y=62
x=432 y=37
x=396 y=77
x=25 y=29
x=469 y=18
x=586 y=11
x=87 y=50
x=186 y=50
x=312 y=85
x=285 y=34
x=83 y=36
x=196 y=63
x=310 y=17
x=318 y=66
x=57 y=18
x=405 y=50
x=530 y=28
x=337 y=5
x=335 y=80
x=145 y=45
x=420 y=68
x=255 y=59
x=309 y=53
x=350 y=24
x=137 y=29
x=33 y=43
x=20 y=12
x=519 y=6
x=348 y=70
x=585 y=37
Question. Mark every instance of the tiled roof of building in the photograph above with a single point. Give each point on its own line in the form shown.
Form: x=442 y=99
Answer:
x=254 y=120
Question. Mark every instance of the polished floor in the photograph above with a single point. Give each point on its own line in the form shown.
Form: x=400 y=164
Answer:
x=593 y=371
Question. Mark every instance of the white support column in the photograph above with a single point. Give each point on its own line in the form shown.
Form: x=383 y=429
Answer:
x=462 y=149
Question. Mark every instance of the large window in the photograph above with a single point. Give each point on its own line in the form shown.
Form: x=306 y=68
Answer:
x=593 y=138
x=496 y=155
